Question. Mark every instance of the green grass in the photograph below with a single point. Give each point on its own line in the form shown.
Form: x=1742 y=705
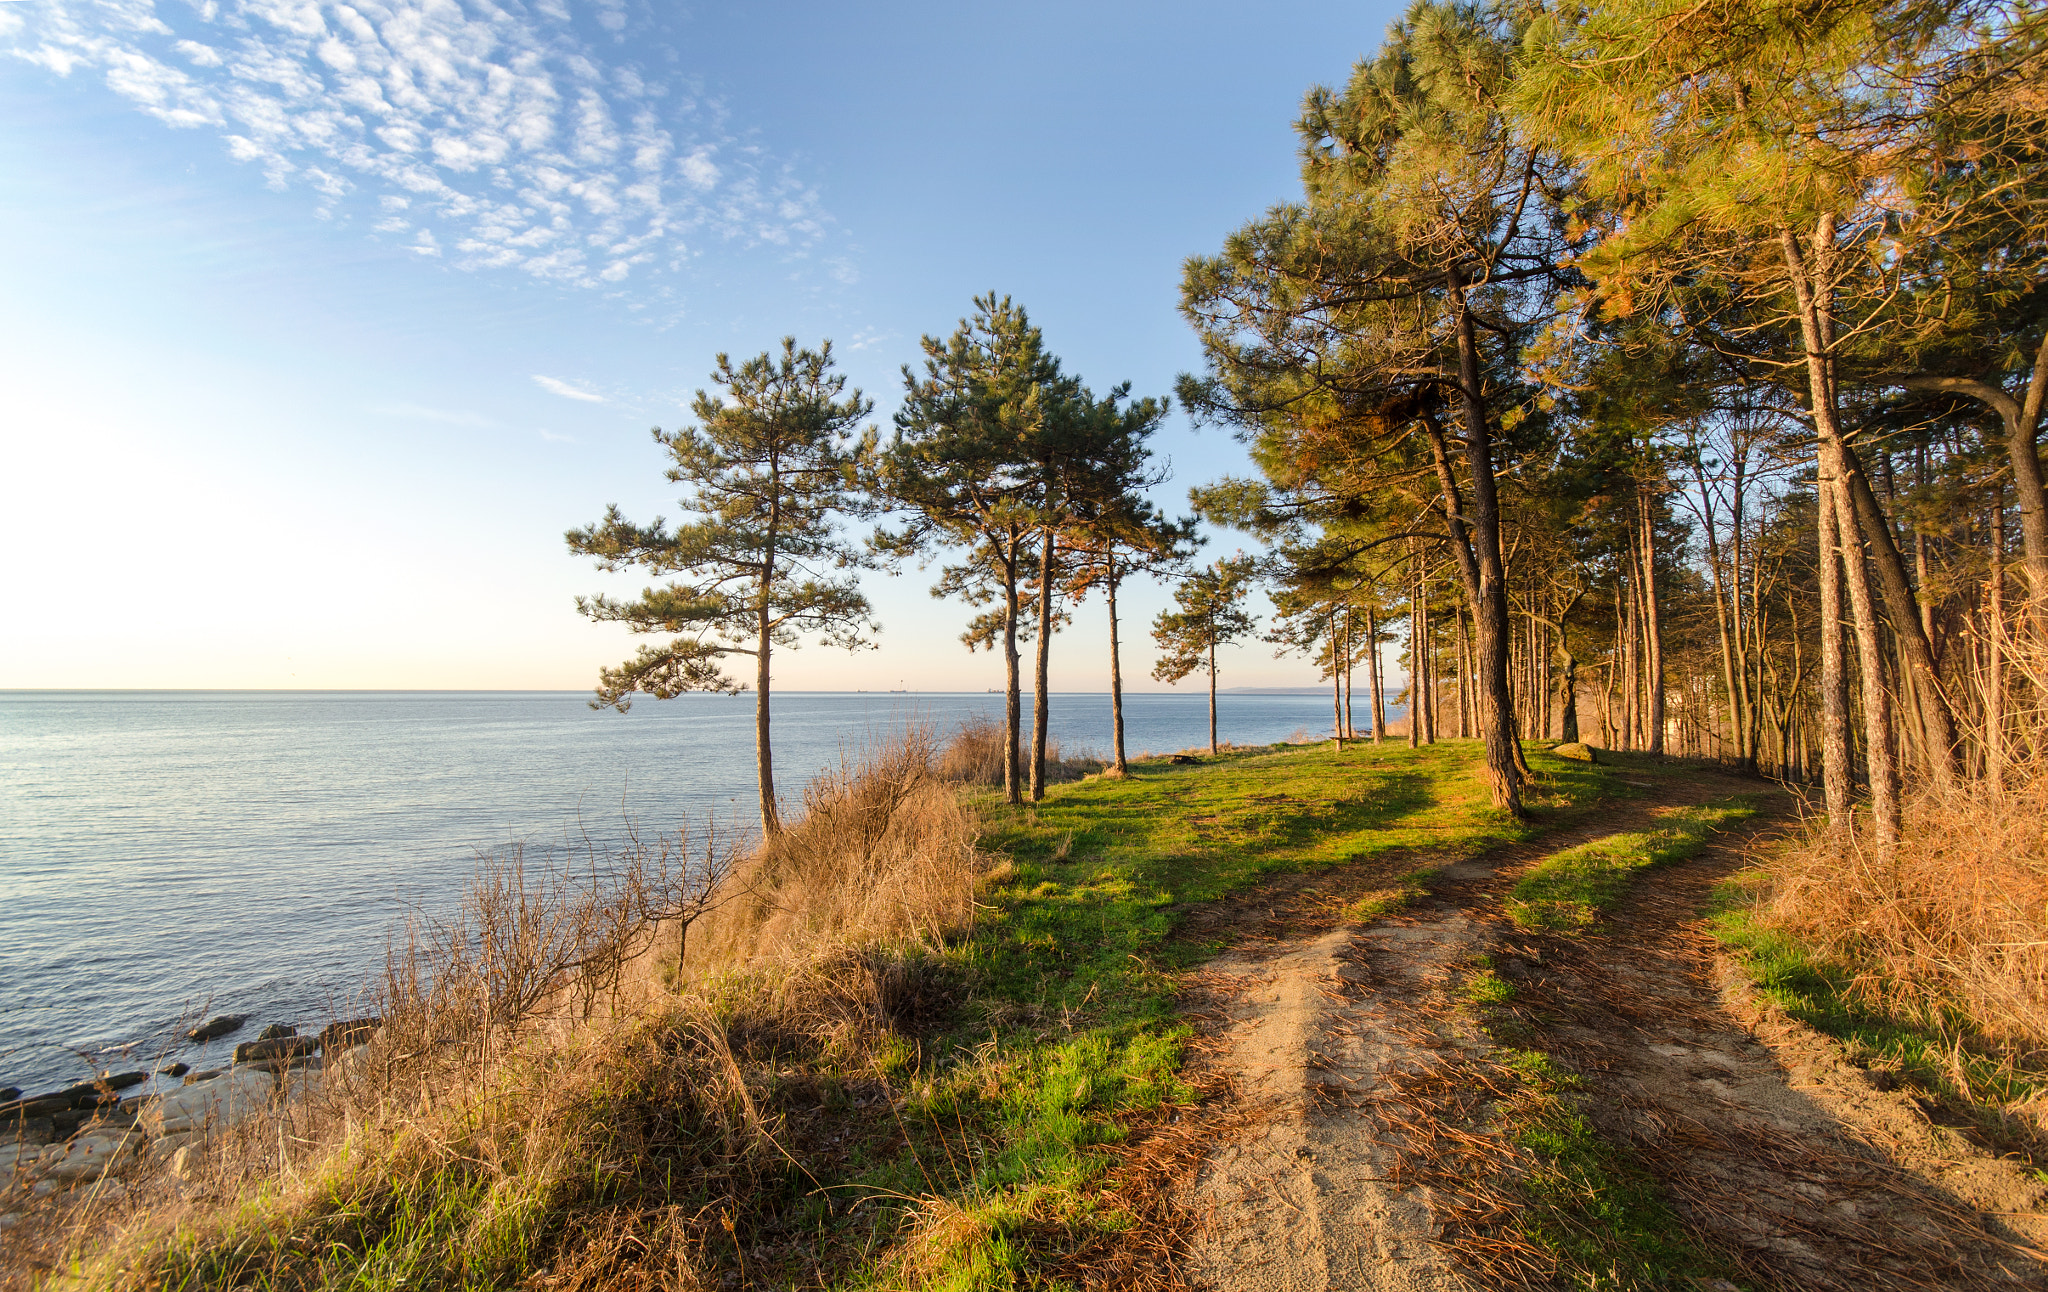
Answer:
x=982 y=1163
x=1566 y=892
x=1598 y=1213
x=1074 y=1025
x=1922 y=1052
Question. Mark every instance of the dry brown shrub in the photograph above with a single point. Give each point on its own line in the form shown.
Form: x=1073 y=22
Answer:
x=974 y=755
x=883 y=854
x=539 y=1106
x=1952 y=928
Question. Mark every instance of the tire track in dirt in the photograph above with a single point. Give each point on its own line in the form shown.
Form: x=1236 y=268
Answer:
x=1367 y=1162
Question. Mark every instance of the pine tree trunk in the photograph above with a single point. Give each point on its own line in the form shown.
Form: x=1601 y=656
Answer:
x=1041 y=701
x=1880 y=735
x=1813 y=289
x=1336 y=688
x=764 y=751
x=1350 y=731
x=1568 y=721
x=1721 y=618
x=1212 y=696
x=1378 y=698
x=1013 y=701
x=1939 y=728
x=1464 y=680
x=1116 y=672
x=2025 y=457
x=1653 y=627
x=1414 y=653
x=1504 y=761
x=1994 y=642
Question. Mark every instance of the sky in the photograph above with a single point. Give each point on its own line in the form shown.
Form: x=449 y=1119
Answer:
x=324 y=321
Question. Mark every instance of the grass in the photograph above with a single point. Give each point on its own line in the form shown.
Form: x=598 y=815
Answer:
x=880 y=1099
x=1579 y=1198
x=1601 y=1216
x=1567 y=891
x=1929 y=1052
x=1075 y=964
x=1104 y=869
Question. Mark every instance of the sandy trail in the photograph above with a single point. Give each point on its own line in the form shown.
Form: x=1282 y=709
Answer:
x=1367 y=1161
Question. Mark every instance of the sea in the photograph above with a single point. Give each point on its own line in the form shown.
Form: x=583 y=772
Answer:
x=167 y=856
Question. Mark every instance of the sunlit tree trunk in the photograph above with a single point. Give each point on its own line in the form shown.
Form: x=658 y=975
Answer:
x=1041 y=699
x=1116 y=666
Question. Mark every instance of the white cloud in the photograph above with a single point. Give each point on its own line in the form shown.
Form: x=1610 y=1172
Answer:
x=514 y=140
x=558 y=387
x=552 y=438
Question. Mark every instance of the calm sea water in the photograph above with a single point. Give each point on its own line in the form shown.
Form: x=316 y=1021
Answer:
x=169 y=854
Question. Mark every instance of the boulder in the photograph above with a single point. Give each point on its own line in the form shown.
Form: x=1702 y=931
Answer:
x=278 y=1047
x=218 y=1026
x=8 y=1094
x=92 y=1156
x=277 y=1030
x=194 y=1078
x=210 y=1105
x=187 y=1162
x=347 y=1032
x=1578 y=751
x=86 y=1094
x=175 y=1070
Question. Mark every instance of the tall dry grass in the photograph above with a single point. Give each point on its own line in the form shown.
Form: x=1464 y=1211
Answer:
x=579 y=1080
x=1950 y=930
x=974 y=755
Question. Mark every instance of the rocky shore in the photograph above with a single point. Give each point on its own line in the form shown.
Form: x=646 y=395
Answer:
x=90 y=1134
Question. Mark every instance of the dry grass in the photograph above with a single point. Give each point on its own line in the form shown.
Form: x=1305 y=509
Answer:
x=550 y=1100
x=884 y=853
x=974 y=756
x=1948 y=935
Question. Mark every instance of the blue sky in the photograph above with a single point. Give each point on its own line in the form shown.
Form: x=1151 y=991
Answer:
x=324 y=321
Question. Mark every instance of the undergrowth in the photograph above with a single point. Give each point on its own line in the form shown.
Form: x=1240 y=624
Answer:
x=1936 y=1049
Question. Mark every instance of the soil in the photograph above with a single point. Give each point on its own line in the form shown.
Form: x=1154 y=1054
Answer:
x=1365 y=1152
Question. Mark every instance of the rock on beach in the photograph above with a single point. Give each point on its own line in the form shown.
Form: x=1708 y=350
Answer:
x=220 y=1025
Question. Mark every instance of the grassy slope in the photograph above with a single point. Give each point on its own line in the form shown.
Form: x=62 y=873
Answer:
x=968 y=1149
x=1073 y=1030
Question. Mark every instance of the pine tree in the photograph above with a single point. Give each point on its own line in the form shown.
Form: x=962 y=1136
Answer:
x=770 y=466
x=965 y=467
x=1211 y=614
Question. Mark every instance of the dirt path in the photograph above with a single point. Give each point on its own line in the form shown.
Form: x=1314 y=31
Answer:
x=1372 y=1158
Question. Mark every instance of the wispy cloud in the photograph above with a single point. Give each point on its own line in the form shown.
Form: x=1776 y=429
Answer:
x=421 y=413
x=556 y=386
x=552 y=438
x=496 y=136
